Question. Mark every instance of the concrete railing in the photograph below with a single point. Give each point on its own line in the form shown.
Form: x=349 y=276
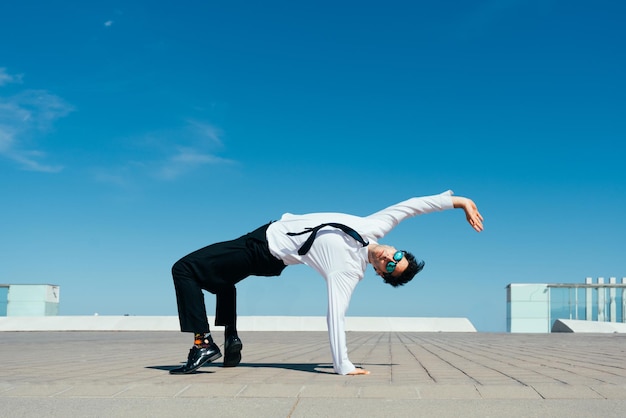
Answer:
x=244 y=323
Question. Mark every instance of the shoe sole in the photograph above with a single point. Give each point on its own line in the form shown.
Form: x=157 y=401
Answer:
x=232 y=357
x=207 y=361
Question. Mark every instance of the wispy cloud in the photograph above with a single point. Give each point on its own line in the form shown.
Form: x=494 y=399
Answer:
x=6 y=78
x=203 y=142
x=171 y=155
x=205 y=131
x=24 y=118
x=29 y=161
x=185 y=160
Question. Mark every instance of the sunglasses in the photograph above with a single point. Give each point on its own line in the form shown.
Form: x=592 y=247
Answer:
x=391 y=266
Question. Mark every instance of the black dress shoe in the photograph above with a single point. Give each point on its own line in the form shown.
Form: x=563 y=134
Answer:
x=197 y=357
x=232 y=351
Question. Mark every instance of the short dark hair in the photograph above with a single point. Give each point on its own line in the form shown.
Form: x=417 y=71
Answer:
x=414 y=267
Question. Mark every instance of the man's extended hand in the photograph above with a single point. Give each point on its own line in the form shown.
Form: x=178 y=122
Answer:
x=474 y=217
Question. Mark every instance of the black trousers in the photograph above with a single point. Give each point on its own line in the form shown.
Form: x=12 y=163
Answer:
x=216 y=269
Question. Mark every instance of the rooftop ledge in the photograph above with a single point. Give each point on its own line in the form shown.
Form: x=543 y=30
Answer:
x=244 y=323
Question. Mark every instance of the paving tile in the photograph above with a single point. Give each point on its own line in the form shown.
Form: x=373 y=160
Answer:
x=561 y=391
x=36 y=390
x=329 y=391
x=4 y=386
x=507 y=392
x=611 y=391
x=271 y=390
x=390 y=392
x=448 y=392
x=93 y=391
x=151 y=391
x=212 y=390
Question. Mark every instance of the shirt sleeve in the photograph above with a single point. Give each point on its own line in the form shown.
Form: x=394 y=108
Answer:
x=381 y=222
x=340 y=287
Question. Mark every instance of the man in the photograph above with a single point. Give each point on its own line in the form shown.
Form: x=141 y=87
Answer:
x=337 y=245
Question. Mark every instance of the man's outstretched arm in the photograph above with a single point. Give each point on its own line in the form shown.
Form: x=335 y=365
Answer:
x=474 y=218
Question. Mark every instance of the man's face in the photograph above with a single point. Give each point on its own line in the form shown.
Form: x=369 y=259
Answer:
x=381 y=256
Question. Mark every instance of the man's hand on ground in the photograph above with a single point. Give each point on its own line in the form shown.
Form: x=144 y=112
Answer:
x=358 y=371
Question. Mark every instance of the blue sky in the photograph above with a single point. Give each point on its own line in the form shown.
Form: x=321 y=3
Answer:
x=132 y=133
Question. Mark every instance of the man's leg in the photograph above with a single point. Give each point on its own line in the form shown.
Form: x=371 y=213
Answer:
x=217 y=268
x=226 y=306
x=226 y=315
x=192 y=317
x=190 y=301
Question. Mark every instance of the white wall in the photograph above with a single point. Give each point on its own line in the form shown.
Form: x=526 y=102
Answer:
x=528 y=307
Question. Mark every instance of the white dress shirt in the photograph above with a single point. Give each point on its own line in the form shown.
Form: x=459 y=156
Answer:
x=339 y=258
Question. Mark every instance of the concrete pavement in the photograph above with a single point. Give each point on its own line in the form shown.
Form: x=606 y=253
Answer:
x=288 y=374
